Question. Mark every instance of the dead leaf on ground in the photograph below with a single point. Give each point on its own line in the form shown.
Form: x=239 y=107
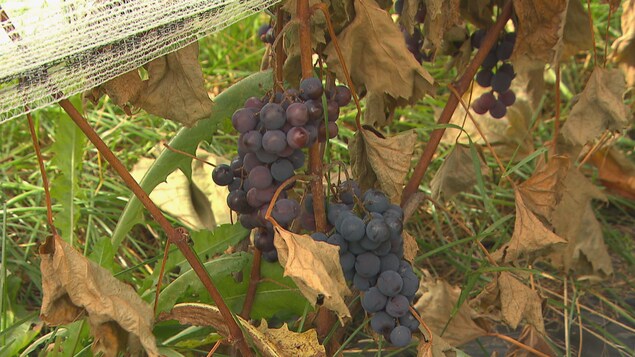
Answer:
x=73 y=286
x=532 y=338
x=382 y=162
x=600 y=107
x=435 y=307
x=371 y=44
x=519 y=302
x=530 y=236
x=441 y=16
x=616 y=171
x=624 y=46
x=270 y=342
x=438 y=348
x=315 y=268
x=456 y=174
x=543 y=190
x=540 y=27
x=575 y=221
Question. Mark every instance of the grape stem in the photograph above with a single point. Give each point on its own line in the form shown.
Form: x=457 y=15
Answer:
x=462 y=85
x=177 y=236
x=254 y=279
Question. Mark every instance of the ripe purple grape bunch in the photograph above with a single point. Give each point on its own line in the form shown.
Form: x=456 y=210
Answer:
x=368 y=230
x=496 y=72
x=274 y=130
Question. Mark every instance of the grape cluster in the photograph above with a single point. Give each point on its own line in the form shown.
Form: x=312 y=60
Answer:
x=496 y=72
x=414 y=41
x=266 y=34
x=273 y=131
x=371 y=254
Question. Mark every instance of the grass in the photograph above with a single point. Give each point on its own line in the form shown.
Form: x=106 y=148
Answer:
x=446 y=250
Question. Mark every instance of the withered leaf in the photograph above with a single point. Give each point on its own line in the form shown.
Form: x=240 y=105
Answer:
x=408 y=12
x=73 y=285
x=532 y=338
x=377 y=58
x=438 y=348
x=576 y=34
x=383 y=163
x=269 y=342
x=624 y=46
x=543 y=190
x=315 y=268
x=530 y=236
x=599 y=108
x=540 y=25
x=125 y=88
x=456 y=174
x=518 y=301
x=478 y=12
x=616 y=171
x=441 y=16
x=175 y=89
x=435 y=307
x=574 y=220
x=410 y=247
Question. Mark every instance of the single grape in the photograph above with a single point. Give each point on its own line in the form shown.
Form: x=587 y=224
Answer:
x=311 y=88
x=281 y=170
x=307 y=221
x=488 y=100
x=490 y=60
x=508 y=69
x=389 y=283
x=484 y=78
x=356 y=248
x=333 y=210
x=382 y=323
x=250 y=161
x=404 y=267
x=373 y=300
x=235 y=184
x=394 y=211
x=251 y=140
x=263 y=240
x=266 y=157
x=313 y=131
x=397 y=305
x=315 y=109
x=367 y=265
x=253 y=102
x=369 y=245
x=410 y=284
x=298 y=137
x=352 y=228
x=361 y=283
x=320 y=237
x=348 y=190
x=342 y=95
x=510 y=37
x=252 y=198
x=478 y=107
x=389 y=262
x=400 y=336
x=222 y=175
x=249 y=220
x=504 y=50
x=285 y=211
x=383 y=249
x=508 y=98
x=331 y=129
x=260 y=177
x=288 y=151
x=274 y=141
x=477 y=38
x=395 y=225
x=262 y=30
x=341 y=217
x=272 y=115
x=375 y=201
x=499 y=110
x=237 y=201
x=347 y=261
x=337 y=240
x=297 y=159
x=377 y=230
x=409 y=321
x=333 y=110
x=297 y=114
x=244 y=119
x=237 y=166
x=501 y=82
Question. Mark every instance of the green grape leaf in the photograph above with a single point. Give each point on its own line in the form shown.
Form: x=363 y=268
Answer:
x=187 y=140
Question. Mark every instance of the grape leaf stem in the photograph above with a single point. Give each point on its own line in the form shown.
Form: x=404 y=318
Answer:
x=177 y=236
x=462 y=85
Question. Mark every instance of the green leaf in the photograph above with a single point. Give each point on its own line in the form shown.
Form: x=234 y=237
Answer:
x=187 y=140
x=68 y=149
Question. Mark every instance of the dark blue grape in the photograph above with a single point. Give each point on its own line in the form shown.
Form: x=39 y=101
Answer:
x=508 y=98
x=501 y=82
x=348 y=190
x=337 y=240
x=373 y=300
x=333 y=211
x=319 y=237
x=263 y=240
x=244 y=119
x=361 y=283
x=383 y=249
x=382 y=323
x=389 y=262
x=367 y=265
x=484 y=78
x=409 y=321
x=347 y=261
x=272 y=116
x=368 y=244
x=251 y=140
x=377 y=230
x=389 y=283
x=504 y=50
x=297 y=159
x=266 y=157
x=237 y=201
x=352 y=228
x=397 y=305
x=285 y=211
x=260 y=177
x=311 y=88
x=315 y=109
x=477 y=38
x=222 y=175
x=410 y=284
x=375 y=201
x=271 y=256
x=356 y=248
x=281 y=170
x=400 y=336
x=499 y=110
x=274 y=141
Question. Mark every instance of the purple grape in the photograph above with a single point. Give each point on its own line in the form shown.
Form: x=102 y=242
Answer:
x=260 y=177
x=285 y=210
x=252 y=198
x=347 y=261
x=333 y=110
x=477 y=38
x=501 y=82
x=389 y=283
x=478 y=107
x=237 y=201
x=352 y=228
x=253 y=102
x=272 y=116
x=298 y=137
x=504 y=50
x=401 y=336
x=315 y=109
x=342 y=95
x=397 y=306
x=282 y=169
x=263 y=240
x=373 y=300
x=222 y=175
x=409 y=321
x=389 y=262
x=377 y=230
x=361 y=283
x=274 y=141
x=311 y=88
x=508 y=69
x=244 y=119
x=375 y=201
x=382 y=323
x=507 y=98
x=484 y=78
x=490 y=60
x=251 y=140
x=499 y=110
x=297 y=114
x=367 y=265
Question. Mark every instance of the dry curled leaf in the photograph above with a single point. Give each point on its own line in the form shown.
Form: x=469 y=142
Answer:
x=600 y=107
x=435 y=307
x=315 y=268
x=543 y=190
x=382 y=162
x=441 y=16
x=269 y=342
x=456 y=174
x=530 y=236
x=519 y=302
x=616 y=171
x=540 y=26
x=371 y=44
x=410 y=247
x=534 y=339
x=73 y=285
x=438 y=348
x=574 y=220
x=624 y=46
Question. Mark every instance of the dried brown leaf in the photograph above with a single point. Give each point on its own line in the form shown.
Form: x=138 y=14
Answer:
x=530 y=236
x=441 y=16
x=540 y=26
x=576 y=34
x=438 y=348
x=478 y=12
x=73 y=285
x=315 y=268
x=574 y=220
x=125 y=88
x=624 y=46
x=616 y=171
x=435 y=307
x=378 y=60
x=410 y=247
x=456 y=174
x=519 y=302
x=175 y=89
x=543 y=190
x=382 y=162
x=408 y=12
x=599 y=108
x=269 y=342
x=532 y=338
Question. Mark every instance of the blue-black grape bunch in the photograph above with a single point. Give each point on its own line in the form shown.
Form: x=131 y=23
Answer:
x=414 y=41
x=274 y=130
x=266 y=34
x=496 y=72
x=368 y=230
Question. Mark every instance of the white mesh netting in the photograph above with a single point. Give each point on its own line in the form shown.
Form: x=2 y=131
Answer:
x=69 y=46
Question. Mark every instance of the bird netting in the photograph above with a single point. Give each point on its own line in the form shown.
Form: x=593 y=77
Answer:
x=63 y=47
